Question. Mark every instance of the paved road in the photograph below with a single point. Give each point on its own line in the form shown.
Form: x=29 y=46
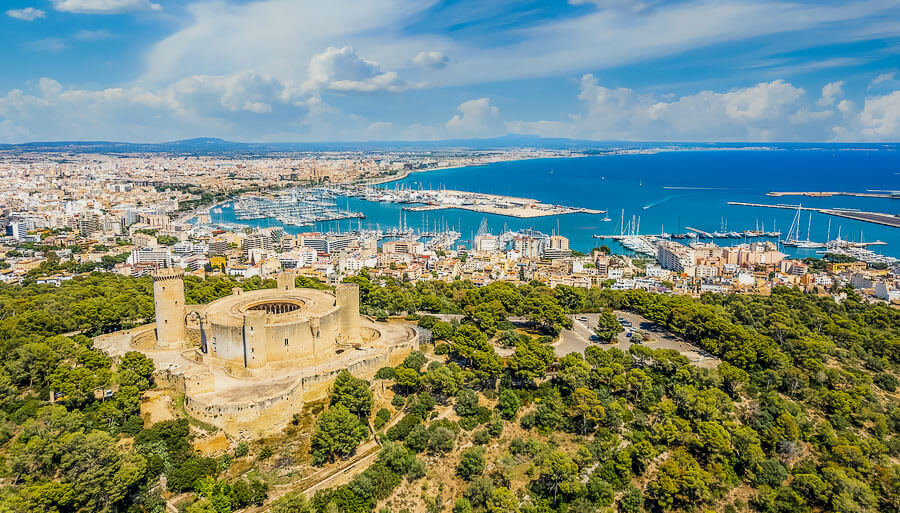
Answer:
x=577 y=339
x=582 y=335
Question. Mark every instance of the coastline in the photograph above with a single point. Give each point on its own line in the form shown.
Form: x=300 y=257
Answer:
x=645 y=151
x=406 y=172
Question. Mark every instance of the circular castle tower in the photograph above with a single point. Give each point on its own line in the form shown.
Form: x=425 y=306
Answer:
x=168 y=299
x=347 y=299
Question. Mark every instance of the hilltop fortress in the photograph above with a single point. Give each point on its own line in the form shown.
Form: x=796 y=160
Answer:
x=248 y=361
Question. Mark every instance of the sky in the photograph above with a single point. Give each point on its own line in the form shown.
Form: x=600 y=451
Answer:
x=353 y=70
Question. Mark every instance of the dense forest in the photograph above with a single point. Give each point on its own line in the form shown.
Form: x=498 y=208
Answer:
x=801 y=415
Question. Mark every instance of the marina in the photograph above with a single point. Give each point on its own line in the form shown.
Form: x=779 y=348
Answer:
x=631 y=239
x=299 y=207
x=706 y=208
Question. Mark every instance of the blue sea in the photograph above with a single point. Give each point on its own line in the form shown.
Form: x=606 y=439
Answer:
x=669 y=191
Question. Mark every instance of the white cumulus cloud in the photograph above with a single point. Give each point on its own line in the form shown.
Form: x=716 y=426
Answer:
x=476 y=118
x=341 y=69
x=768 y=110
x=224 y=105
x=880 y=117
x=26 y=14
x=708 y=115
x=431 y=59
x=831 y=92
x=845 y=107
x=104 y=6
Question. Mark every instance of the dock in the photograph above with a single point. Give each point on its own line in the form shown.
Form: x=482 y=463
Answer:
x=857 y=215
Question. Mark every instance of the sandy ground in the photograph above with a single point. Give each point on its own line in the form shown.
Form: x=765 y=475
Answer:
x=156 y=406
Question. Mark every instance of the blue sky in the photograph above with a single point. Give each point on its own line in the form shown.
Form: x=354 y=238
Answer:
x=298 y=70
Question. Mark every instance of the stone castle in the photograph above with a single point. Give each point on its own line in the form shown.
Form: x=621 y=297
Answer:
x=248 y=361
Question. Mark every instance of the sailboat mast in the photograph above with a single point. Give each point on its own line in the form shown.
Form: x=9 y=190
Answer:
x=808 y=226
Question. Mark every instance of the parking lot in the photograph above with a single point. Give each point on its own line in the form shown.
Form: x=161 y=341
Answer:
x=582 y=335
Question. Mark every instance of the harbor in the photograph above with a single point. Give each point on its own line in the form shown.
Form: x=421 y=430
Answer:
x=684 y=212
x=629 y=237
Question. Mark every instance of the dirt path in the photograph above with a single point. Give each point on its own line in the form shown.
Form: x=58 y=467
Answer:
x=343 y=473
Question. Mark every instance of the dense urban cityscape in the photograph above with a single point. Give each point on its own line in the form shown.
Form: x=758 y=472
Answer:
x=135 y=214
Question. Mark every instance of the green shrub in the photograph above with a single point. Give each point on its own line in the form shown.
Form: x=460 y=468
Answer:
x=401 y=429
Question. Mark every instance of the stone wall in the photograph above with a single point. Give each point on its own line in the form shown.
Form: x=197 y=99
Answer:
x=273 y=339
x=145 y=338
x=260 y=415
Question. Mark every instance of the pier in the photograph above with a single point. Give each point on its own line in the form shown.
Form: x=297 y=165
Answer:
x=867 y=194
x=425 y=200
x=520 y=212
x=699 y=232
x=857 y=215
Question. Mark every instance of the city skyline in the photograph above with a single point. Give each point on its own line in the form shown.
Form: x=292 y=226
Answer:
x=277 y=70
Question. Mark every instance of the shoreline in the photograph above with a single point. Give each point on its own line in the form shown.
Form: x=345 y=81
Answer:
x=406 y=173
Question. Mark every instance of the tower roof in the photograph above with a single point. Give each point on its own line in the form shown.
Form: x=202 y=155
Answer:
x=168 y=273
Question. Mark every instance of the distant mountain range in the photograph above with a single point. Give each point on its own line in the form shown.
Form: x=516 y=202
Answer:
x=210 y=146
x=205 y=145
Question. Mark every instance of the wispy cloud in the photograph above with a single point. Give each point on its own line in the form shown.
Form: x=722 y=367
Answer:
x=104 y=6
x=26 y=14
x=884 y=77
x=48 y=44
x=271 y=36
x=94 y=35
x=816 y=65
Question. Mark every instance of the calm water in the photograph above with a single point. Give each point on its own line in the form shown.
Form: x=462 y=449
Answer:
x=668 y=190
